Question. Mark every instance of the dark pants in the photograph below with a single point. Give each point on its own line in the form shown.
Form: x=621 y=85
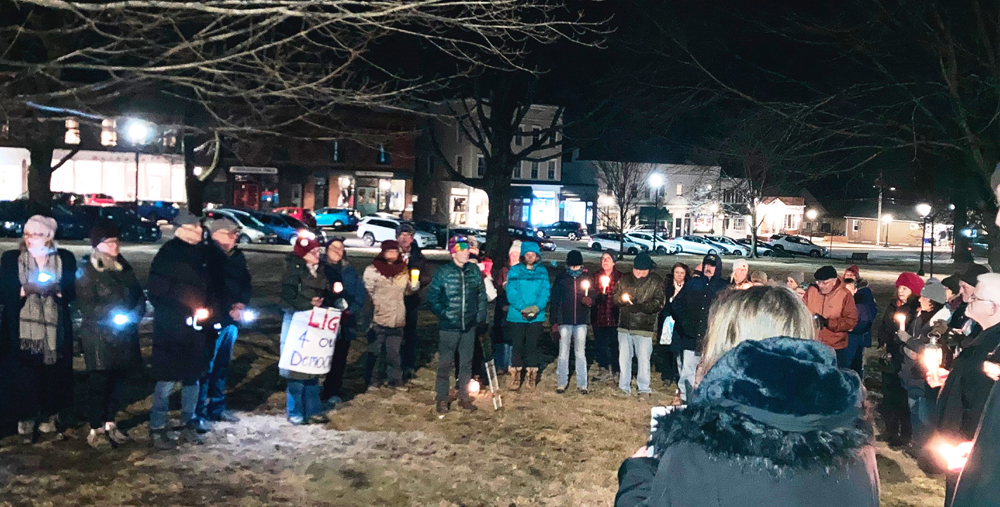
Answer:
x=852 y=356
x=606 y=342
x=44 y=390
x=409 y=348
x=451 y=341
x=478 y=360
x=212 y=387
x=384 y=353
x=334 y=381
x=524 y=337
x=105 y=396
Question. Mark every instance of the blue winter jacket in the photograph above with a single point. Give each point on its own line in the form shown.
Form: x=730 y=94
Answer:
x=527 y=287
x=867 y=310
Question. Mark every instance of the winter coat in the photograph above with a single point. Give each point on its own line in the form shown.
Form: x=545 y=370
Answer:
x=690 y=309
x=888 y=327
x=182 y=279
x=839 y=310
x=977 y=485
x=299 y=286
x=646 y=294
x=387 y=296
x=500 y=305
x=527 y=287
x=103 y=292
x=354 y=293
x=605 y=312
x=913 y=373
x=567 y=299
x=458 y=297
x=864 y=301
x=237 y=283
x=668 y=293
x=749 y=437
x=416 y=260
x=964 y=394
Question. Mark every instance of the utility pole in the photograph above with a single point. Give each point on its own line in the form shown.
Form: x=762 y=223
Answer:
x=880 y=185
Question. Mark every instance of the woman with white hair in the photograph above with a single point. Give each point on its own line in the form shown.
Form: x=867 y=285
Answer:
x=37 y=284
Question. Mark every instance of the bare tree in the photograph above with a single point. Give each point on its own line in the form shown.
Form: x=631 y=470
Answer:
x=625 y=183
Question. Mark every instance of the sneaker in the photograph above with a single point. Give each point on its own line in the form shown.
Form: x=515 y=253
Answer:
x=467 y=405
x=399 y=387
x=115 y=435
x=560 y=389
x=94 y=439
x=190 y=435
x=201 y=425
x=296 y=421
x=48 y=426
x=161 y=440
x=319 y=419
x=442 y=407
x=584 y=391
x=227 y=416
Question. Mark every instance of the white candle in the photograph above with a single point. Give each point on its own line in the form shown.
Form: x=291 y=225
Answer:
x=605 y=282
x=901 y=319
x=585 y=285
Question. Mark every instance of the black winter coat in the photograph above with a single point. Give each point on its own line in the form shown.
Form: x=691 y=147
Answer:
x=103 y=292
x=977 y=485
x=647 y=301
x=237 y=283
x=182 y=279
x=963 y=396
x=690 y=309
x=566 y=303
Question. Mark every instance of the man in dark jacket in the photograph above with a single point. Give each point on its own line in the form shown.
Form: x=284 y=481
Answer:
x=414 y=259
x=640 y=296
x=231 y=310
x=690 y=311
x=967 y=387
x=345 y=285
x=570 y=303
x=861 y=336
x=180 y=288
x=457 y=297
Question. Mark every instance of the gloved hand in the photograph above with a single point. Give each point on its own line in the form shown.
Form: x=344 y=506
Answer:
x=903 y=336
x=530 y=312
x=821 y=321
x=42 y=289
x=587 y=301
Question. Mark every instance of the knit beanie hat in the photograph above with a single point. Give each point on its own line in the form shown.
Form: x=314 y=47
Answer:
x=38 y=224
x=103 y=230
x=305 y=245
x=643 y=261
x=515 y=247
x=740 y=263
x=457 y=244
x=758 y=277
x=952 y=283
x=853 y=270
x=390 y=245
x=934 y=290
x=574 y=258
x=404 y=227
x=825 y=273
x=530 y=246
x=971 y=275
x=911 y=280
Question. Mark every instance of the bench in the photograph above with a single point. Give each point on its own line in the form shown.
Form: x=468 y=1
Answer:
x=858 y=257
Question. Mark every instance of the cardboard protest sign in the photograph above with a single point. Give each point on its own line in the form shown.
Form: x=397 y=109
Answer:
x=309 y=344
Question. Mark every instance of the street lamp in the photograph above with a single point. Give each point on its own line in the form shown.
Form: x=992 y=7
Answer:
x=923 y=209
x=139 y=133
x=714 y=208
x=385 y=185
x=656 y=182
x=811 y=215
x=886 y=219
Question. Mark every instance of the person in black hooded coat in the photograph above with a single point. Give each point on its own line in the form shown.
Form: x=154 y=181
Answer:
x=749 y=437
x=690 y=310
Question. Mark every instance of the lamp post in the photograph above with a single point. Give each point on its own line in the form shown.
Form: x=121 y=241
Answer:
x=656 y=182
x=886 y=219
x=138 y=132
x=811 y=215
x=384 y=186
x=923 y=210
x=714 y=208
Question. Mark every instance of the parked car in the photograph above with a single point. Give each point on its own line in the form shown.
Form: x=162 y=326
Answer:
x=440 y=231
x=664 y=246
x=158 y=210
x=570 y=230
x=730 y=246
x=376 y=229
x=797 y=244
x=98 y=200
x=609 y=241
x=134 y=229
x=479 y=234
x=697 y=245
x=303 y=214
x=530 y=234
x=336 y=217
x=252 y=230
x=13 y=215
x=762 y=248
x=288 y=228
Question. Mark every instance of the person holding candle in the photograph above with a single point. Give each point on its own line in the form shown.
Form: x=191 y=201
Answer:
x=833 y=309
x=415 y=261
x=640 y=296
x=388 y=282
x=604 y=319
x=528 y=294
x=669 y=363
x=502 y=348
x=111 y=305
x=895 y=405
x=966 y=328
x=571 y=302
x=344 y=283
x=37 y=285
x=690 y=310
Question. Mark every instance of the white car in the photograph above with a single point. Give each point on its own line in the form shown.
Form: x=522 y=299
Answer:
x=375 y=229
x=251 y=229
x=731 y=246
x=645 y=239
x=608 y=241
x=697 y=245
x=797 y=244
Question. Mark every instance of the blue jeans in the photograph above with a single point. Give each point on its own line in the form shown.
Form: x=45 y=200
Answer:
x=212 y=395
x=303 y=400
x=159 y=414
x=920 y=415
x=641 y=347
x=578 y=335
x=852 y=356
x=501 y=355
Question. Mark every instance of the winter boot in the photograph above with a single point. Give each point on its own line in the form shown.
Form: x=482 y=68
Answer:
x=115 y=435
x=514 y=382
x=532 y=378
x=442 y=407
x=190 y=435
x=161 y=440
x=467 y=405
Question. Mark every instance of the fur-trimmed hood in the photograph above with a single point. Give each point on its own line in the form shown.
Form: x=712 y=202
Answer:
x=778 y=405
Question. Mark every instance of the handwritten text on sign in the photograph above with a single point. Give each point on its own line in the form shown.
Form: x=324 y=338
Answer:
x=309 y=344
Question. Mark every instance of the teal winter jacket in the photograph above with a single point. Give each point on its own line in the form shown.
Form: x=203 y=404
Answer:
x=457 y=296
x=527 y=287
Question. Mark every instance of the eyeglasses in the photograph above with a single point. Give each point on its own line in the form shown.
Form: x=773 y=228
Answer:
x=973 y=298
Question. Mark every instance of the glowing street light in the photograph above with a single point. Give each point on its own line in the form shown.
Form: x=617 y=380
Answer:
x=139 y=133
x=923 y=209
x=811 y=215
x=656 y=182
x=886 y=219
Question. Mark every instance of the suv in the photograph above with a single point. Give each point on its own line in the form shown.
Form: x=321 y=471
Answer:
x=375 y=229
x=251 y=229
x=797 y=244
x=571 y=230
x=533 y=235
x=609 y=241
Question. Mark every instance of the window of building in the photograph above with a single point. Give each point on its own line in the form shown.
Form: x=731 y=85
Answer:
x=790 y=222
x=481 y=166
x=518 y=138
x=384 y=157
x=856 y=225
x=680 y=189
x=458 y=131
x=459 y=164
x=536 y=134
x=517 y=171
x=109 y=133
x=534 y=170
x=739 y=223
x=5 y=131
x=72 y=132
x=170 y=138
x=552 y=169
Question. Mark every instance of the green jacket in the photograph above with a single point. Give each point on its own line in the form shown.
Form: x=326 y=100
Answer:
x=647 y=300
x=458 y=297
x=299 y=287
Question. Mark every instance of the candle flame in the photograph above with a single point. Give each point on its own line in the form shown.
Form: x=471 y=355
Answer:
x=473 y=386
x=585 y=284
x=201 y=314
x=955 y=456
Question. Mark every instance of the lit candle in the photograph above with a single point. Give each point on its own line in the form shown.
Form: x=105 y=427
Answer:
x=585 y=285
x=338 y=287
x=626 y=298
x=473 y=386
x=200 y=314
x=954 y=455
x=605 y=282
x=414 y=278
x=901 y=319
x=992 y=370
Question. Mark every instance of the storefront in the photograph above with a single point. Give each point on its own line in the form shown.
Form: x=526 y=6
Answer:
x=369 y=192
x=254 y=187
x=468 y=207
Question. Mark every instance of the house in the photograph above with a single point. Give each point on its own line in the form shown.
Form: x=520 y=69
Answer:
x=780 y=215
x=901 y=225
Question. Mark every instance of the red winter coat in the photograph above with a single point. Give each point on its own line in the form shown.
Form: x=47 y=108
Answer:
x=605 y=312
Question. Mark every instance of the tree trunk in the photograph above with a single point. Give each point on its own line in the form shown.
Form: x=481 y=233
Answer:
x=424 y=186
x=960 y=252
x=194 y=186
x=40 y=175
x=497 y=236
x=992 y=231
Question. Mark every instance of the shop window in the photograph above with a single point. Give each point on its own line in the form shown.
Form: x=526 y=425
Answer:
x=534 y=170
x=481 y=166
x=384 y=157
x=109 y=133
x=552 y=169
x=459 y=165
x=72 y=132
